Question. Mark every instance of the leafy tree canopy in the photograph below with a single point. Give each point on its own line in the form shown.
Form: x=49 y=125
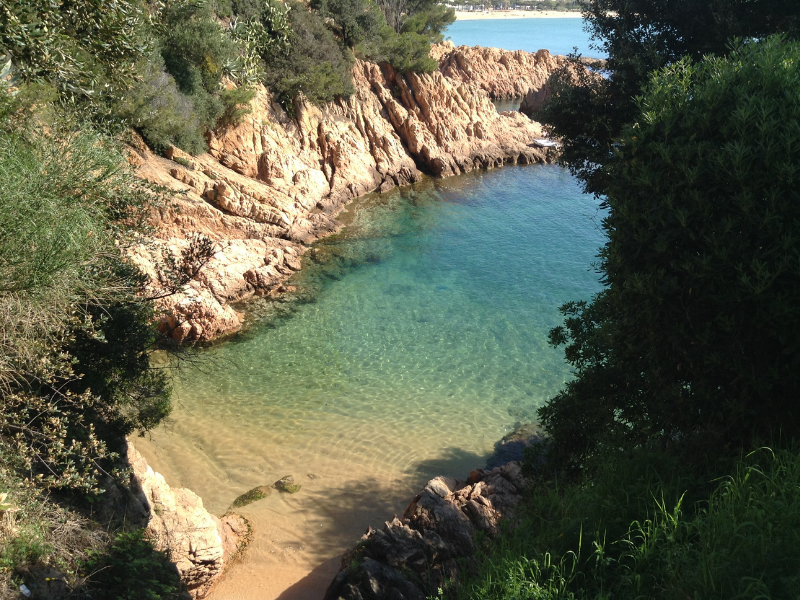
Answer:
x=641 y=36
x=695 y=339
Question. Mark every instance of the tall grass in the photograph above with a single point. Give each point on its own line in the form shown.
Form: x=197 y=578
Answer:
x=742 y=541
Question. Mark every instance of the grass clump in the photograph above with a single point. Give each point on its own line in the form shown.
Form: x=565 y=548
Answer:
x=634 y=531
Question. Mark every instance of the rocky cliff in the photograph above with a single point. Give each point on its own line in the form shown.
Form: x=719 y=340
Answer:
x=501 y=73
x=273 y=184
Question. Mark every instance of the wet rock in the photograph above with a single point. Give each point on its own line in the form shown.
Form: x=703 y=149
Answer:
x=511 y=447
x=412 y=556
x=254 y=495
x=287 y=484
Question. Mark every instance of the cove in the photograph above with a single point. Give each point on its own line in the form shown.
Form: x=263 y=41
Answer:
x=416 y=338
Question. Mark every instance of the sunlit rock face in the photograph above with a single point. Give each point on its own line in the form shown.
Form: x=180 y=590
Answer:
x=270 y=186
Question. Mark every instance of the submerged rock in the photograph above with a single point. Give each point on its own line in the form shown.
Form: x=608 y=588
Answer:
x=287 y=484
x=412 y=556
x=254 y=495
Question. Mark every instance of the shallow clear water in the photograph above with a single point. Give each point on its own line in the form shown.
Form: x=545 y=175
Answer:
x=559 y=35
x=505 y=104
x=416 y=339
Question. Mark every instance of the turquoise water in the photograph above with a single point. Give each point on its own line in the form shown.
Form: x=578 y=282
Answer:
x=415 y=339
x=558 y=35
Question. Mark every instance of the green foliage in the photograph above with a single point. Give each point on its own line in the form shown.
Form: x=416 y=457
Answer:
x=196 y=51
x=164 y=116
x=424 y=17
x=694 y=342
x=85 y=48
x=314 y=64
x=635 y=531
x=263 y=30
x=38 y=532
x=236 y=104
x=131 y=570
x=74 y=373
x=641 y=36
x=355 y=20
x=407 y=52
x=429 y=21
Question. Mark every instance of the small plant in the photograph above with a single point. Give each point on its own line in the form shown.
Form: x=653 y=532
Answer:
x=184 y=162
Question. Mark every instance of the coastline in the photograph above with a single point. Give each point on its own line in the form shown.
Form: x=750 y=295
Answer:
x=516 y=14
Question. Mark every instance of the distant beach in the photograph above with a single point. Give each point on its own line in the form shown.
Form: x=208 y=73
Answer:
x=466 y=15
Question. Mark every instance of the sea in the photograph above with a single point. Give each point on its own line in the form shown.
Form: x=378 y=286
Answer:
x=558 y=35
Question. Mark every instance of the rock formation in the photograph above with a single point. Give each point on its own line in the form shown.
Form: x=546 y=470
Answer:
x=199 y=543
x=412 y=556
x=502 y=73
x=273 y=184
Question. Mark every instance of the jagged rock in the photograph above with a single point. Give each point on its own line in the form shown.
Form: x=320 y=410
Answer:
x=276 y=183
x=502 y=73
x=175 y=520
x=411 y=557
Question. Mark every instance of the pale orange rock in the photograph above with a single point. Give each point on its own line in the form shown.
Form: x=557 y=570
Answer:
x=272 y=185
x=197 y=542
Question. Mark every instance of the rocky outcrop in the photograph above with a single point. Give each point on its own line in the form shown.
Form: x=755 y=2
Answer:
x=412 y=556
x=502 y=73
x=270 y=186
x=198 y=543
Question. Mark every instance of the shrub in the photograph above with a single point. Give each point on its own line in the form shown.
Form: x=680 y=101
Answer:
x=695 y=339
x=130 y=569
x=645 y=528
x=74 y=373
x=164 y=116
x=355 y=21
x=407 y=52
x=313 y=64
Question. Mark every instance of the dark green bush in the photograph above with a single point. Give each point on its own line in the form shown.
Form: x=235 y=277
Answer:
x=164 y=115
x=314 y=63
x=695 y=341
x=355 y=21
x=406 y=52
x=131 y=570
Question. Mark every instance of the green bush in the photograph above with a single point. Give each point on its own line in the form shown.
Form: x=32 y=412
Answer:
x=636 y=530
x=355 y=21
x=694 y=342
x=131 y=570
x=161 y=113
x=407 y=52
x=313 y=64
x=74 y=372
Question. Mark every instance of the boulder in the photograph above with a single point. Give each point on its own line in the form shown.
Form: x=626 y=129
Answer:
x=411 y=557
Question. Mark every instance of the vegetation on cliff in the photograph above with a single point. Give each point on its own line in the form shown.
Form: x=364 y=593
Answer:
x=171 y=69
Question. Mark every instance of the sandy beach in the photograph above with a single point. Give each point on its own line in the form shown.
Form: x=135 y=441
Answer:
x=516 y=14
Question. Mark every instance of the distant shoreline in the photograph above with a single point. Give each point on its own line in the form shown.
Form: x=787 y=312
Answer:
x=515 y=14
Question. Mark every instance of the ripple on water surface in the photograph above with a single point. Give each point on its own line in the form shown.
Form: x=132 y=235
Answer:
x=419 y=337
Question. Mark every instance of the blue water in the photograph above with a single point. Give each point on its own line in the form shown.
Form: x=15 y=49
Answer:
x=559 y=35
x=416 y=338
